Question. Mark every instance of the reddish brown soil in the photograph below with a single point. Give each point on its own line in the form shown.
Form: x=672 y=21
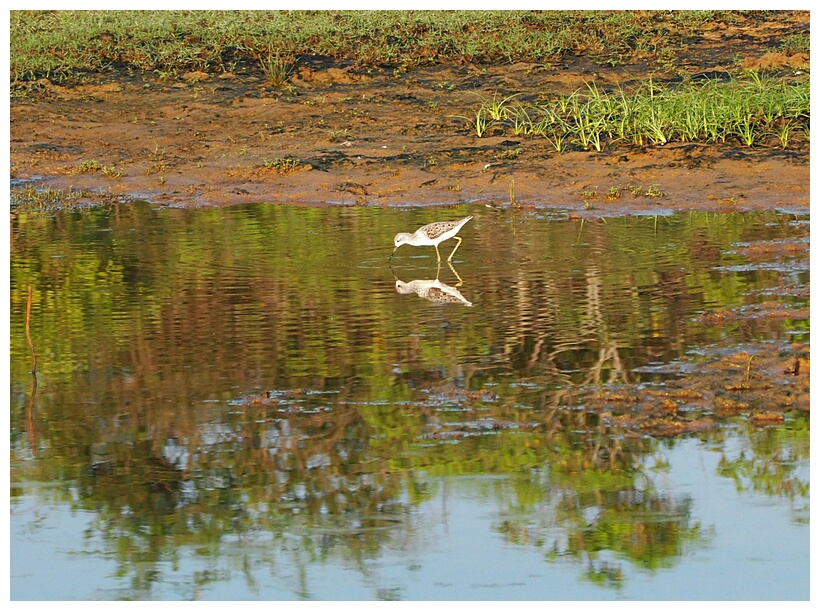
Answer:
x=380 y=138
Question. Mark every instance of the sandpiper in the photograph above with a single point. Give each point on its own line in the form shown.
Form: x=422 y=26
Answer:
x=432 y=235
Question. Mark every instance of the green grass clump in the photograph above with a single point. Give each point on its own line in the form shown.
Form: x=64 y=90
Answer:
x=750 y=110
x=88 y=166
x=282 y=165
x=795 y=43
x=33 y=197
x=277 y=68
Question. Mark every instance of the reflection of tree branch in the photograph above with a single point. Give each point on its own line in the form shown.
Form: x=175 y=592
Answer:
x=33 y=374
x=540 y=346
x=596 y=324
x=31 y=413
x=28 y=332
x=605 y=355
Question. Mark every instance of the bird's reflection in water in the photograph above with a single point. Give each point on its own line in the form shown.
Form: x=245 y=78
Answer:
x=434 y=290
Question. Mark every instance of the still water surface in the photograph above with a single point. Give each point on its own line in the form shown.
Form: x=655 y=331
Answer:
x=251 y=403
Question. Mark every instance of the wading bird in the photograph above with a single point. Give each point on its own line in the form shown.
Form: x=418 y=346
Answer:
x=432 y=235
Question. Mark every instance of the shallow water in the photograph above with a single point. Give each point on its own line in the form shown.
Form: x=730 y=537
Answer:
x=253 y=403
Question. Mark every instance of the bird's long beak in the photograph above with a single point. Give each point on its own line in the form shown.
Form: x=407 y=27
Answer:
x=393 y=253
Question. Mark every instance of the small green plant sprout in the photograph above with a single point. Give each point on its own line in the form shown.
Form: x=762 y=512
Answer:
x=338 y=135
x=158 y=153
x=556 y=138
x=754 y=77
x=111 y=171
x=282 y=165
x=478 y=123
x=654 y=191
x=784 y=133
x=522 y=123
x=613 y=194
x=88 y=166
x=513 y=153
x=745 y=128
x=497 y=107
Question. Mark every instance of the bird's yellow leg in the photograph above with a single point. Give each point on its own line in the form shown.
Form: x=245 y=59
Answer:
x=438 y=256
x=450 y=258
x=455 y=273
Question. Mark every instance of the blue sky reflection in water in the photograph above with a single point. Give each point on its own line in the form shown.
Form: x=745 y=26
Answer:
x=455 y=553
x=237 y=404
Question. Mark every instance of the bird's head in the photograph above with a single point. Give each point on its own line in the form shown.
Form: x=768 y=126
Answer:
x=401 y=238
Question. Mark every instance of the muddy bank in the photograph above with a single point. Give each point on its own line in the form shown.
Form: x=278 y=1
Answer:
x=335 y=135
